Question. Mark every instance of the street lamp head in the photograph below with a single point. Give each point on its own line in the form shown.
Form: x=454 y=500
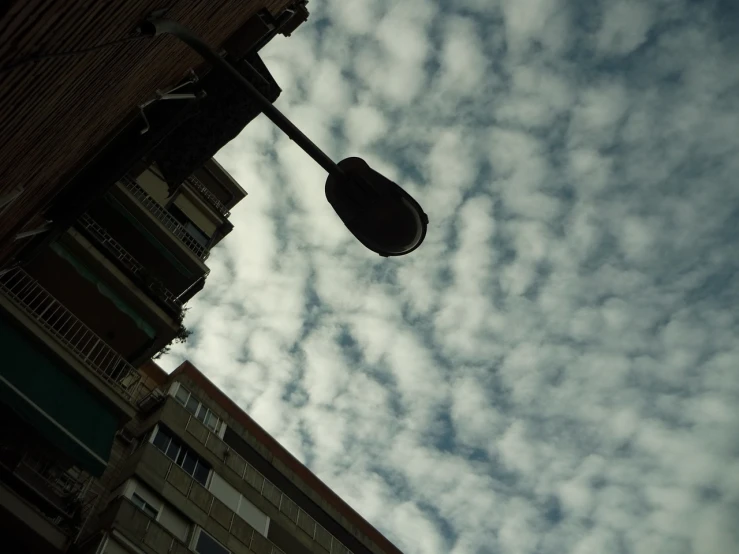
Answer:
x=377 y=211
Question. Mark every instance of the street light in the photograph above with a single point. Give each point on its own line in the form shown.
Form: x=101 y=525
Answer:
x=377 y=211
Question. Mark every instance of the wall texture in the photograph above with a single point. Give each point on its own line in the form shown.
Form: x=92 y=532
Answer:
x=57 y=112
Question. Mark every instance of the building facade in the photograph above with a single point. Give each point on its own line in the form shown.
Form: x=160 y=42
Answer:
x=73 y=89
x=110 y=202
x=196 y=473
x=77 y=320
x=101 y=287
x=192 y=472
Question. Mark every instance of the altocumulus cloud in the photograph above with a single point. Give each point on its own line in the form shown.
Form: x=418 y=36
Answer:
x=556 y=369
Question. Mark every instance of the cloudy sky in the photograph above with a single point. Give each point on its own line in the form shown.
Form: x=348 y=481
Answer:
x=556 y=369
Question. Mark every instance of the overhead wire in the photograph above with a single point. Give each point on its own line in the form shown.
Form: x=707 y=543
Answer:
x=48 y=55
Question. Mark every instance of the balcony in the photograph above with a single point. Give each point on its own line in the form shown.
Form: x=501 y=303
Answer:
x=198 y=185
x=195 y=502
x=48 y=499
x=89 y=349
x=164 y=218
x=245 y=471
x=55 y=492
x=139 y=528
x=129 y=263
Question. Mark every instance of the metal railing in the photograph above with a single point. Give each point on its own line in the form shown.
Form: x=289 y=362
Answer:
x=198 y=185
x=92 y=351
x=101 y=235
x=164 y=217
x=71 y=483
x=57 y=493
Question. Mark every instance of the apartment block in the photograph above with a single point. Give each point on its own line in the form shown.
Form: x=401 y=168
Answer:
x=75 y=96
x=189 y=471
x=77 y=320
x=110 y=204
x=195 y=473
x=101 y=287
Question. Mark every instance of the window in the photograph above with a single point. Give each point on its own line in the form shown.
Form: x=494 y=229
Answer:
x=197 y=233
x=153 y=506
x=234 y=500
x=201 y=473
x=253 y=516
x=181 y=454
x=224 y=492
x=182 y=395
x=144 y=506
x=199 y=410
x=211 y=421
x=189 y=463
x=173 y=450
x=192 y=405
x=161 y=441
x=208 y=545
x=173 y=522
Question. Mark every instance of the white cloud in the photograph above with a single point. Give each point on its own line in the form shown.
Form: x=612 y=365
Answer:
x=475 y=418
x=527 y=21
x=625 y=26
x=365 y=124
x=356 y=17
x=463 y=64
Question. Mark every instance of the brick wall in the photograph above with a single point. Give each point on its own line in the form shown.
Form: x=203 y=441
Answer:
x=55 y=113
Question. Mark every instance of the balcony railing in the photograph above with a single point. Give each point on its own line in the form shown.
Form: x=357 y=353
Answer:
x=103 y=238
x=198 y=185
x=57 y=493
x=138 y=527
x=165 y=218
x=94 y=353
x=66 y=483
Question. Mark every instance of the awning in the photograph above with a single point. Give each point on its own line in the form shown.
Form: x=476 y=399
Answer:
x=41 y=391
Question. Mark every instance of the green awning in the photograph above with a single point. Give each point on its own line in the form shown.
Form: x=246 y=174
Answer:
x=41 y=391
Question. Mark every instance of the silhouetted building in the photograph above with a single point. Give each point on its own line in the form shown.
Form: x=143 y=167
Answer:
x=72 y=124
x=110 y=203
x=194 y=471
x=189 y=471
x=77 y=320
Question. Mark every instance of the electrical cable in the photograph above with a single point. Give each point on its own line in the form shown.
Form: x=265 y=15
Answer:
x=40 y=57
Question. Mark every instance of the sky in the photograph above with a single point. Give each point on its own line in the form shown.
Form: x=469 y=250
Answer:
x=556 y=369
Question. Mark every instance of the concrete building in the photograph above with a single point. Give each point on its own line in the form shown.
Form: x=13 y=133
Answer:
x=110 y=202
x=76 y=321
x=74 y=90
x=192 y=472
x=99 y=286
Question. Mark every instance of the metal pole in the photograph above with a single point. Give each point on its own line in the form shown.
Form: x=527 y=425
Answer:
x=158 y=26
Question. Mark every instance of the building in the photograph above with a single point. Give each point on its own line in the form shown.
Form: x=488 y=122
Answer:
x=110 y=203
x=107 y=218
x=79 y=317
x=193 y=472
x=72 y=123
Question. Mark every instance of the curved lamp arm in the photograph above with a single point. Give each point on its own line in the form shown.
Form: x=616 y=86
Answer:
x=155 y=26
